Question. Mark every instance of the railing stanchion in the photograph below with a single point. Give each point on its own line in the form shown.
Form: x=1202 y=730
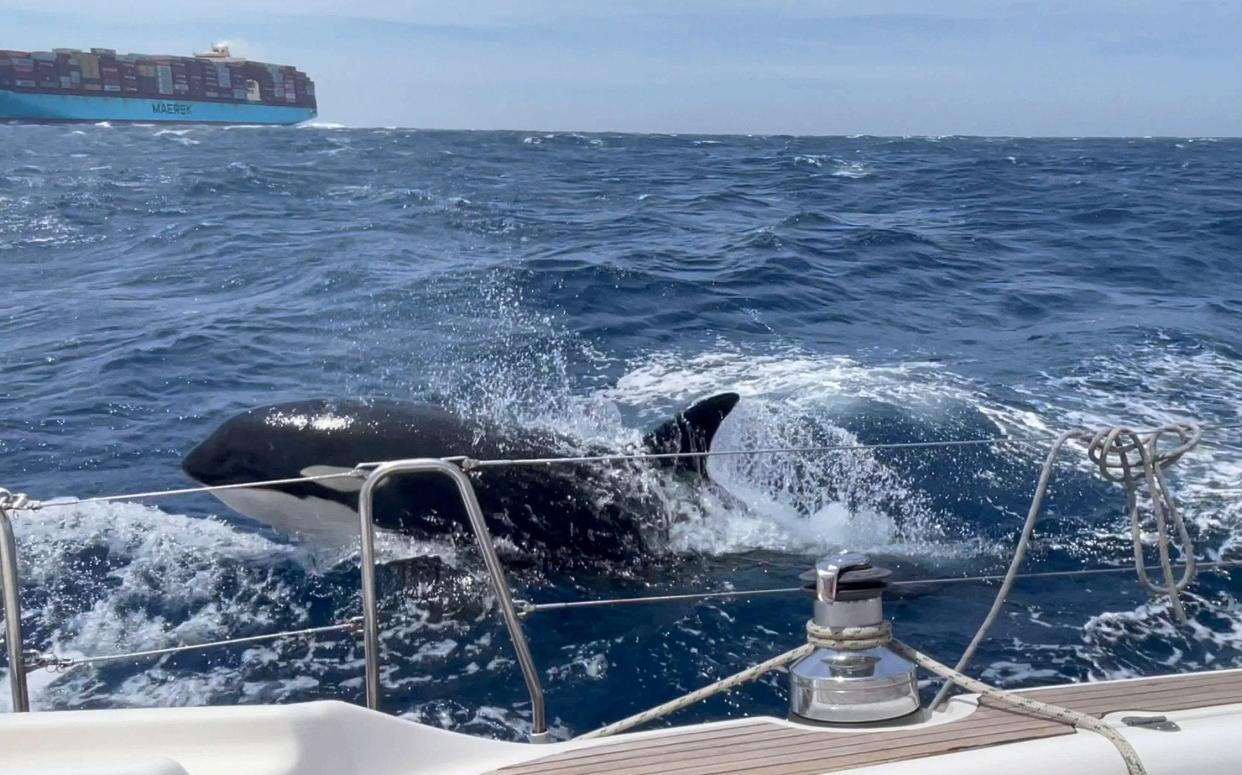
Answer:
x=370 y=613
x=12 y=612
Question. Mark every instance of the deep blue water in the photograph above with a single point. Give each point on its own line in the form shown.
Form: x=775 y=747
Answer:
x=851 y=289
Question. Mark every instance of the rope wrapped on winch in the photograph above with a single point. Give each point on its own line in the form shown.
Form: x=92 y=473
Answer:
x=849 y=638
x=881 y=635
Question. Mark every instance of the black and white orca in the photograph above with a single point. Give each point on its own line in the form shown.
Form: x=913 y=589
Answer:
x=591 y=509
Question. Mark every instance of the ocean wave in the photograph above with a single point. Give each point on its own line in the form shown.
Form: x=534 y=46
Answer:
x=574 y=139
x=961 y=288
x=855 y=170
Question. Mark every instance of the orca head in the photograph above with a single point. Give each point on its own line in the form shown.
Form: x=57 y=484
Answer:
x=255 y=445
x=285 y=441
x=691 y=430
x=227 y=456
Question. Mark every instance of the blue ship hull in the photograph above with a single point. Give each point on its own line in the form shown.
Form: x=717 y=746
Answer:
x=37 y=107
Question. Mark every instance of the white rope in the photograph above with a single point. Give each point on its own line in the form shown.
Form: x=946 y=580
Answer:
x=849 y=638
x=1023 y=704
x=1128 y=457
x=881 y=636
x=685 y=701
x=843 y=639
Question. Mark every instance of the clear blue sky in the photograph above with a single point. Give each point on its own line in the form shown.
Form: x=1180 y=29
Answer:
x=1056 y=67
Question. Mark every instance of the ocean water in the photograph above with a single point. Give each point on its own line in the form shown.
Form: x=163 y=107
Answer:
x=850 y=289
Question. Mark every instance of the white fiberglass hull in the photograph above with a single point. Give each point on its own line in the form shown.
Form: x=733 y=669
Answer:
x=330 y=738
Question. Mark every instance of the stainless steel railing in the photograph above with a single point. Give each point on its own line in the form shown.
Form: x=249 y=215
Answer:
x=483 y=536
x=12 y=608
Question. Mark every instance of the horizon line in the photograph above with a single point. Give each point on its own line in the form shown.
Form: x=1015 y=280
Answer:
x=849 y=136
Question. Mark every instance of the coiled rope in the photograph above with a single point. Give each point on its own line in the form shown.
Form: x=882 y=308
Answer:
x=1128 y=457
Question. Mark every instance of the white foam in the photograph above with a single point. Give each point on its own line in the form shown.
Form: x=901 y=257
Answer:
x=1146 y=386
x=841 y=168
x=808 y=502
x=116 y=578
x=179 y=136
x=796 y=378
x=853 y=170
x=1006 y=673
x=569 y=137
x=148 y=553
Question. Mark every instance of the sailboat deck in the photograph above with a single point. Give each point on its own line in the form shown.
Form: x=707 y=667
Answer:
x=766 y=748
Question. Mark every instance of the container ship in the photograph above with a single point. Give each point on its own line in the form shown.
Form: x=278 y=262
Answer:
x=101 y=85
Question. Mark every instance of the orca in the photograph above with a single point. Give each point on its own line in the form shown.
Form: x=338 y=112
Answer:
x=570 y=510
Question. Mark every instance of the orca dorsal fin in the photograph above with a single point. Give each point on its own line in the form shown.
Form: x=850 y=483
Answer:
x=691 y=430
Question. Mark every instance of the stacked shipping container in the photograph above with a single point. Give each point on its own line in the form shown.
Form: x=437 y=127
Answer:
x=102 y=72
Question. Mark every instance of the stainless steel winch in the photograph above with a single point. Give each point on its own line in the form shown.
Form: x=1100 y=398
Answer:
x=850 y=687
